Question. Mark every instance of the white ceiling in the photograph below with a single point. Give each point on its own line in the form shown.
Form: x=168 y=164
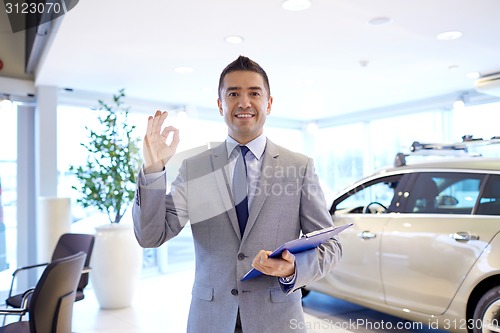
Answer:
x=313 y=58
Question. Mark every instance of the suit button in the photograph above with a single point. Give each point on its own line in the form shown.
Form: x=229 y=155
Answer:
x=234 y=292
x=241 y=256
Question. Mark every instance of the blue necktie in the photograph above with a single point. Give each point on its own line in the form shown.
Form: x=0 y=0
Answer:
x=240 y=189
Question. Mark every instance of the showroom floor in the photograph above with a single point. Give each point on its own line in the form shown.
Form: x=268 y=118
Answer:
x=161 y=305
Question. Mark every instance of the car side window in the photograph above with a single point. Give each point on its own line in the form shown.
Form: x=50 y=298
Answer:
x=380 y=191
x=489 y=203
x=444 y=193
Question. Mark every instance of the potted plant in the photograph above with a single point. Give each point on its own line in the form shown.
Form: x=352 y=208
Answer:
x=107 y=180
x=107 y=183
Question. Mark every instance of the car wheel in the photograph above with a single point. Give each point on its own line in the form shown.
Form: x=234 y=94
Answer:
x=487 y=313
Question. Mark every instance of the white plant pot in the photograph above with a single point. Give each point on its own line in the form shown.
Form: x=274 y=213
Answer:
x=116 y=265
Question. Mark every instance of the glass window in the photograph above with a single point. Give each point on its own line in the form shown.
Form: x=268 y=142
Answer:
x=471 y=121
x=464 y=124
x=8 y=195
x=72 y=132
x=339 y=158
x=389 y=136
x=489 y=203
x=376 y=196
x=444 y=193
x=289 y=138
x=347 y=153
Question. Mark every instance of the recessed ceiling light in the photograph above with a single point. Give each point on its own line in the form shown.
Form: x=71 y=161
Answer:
x=363 y=63
x=296 y=5
x=380 y=21
x=449 y=35
x=234 y=39
x=6 y=104
x=459 y=104
x=312 y=127
x=184 y=70
x=473 y=75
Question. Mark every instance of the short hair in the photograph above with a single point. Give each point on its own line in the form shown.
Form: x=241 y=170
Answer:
x=244 y=64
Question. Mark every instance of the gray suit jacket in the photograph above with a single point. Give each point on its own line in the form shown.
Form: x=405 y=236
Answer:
x=288 y=200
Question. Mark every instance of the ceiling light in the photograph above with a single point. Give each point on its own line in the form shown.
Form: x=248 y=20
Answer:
x=184 y=70
x=5 y=103
x=473 y=75
x=380 y=21
x=460 y=102
x=449 y=35
x=296 y=5
x=182 y=115
x=312 y=127
x=234 y=39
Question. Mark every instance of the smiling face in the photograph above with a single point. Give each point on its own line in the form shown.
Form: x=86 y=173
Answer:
x=244 y=103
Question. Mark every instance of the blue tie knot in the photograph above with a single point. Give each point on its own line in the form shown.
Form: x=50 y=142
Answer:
x=244 y=150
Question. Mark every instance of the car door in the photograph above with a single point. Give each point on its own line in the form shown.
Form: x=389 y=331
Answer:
x=429 y=248
x=358 y=273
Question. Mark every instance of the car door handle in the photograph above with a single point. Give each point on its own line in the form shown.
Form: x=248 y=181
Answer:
x=367 y=234
x=463 y=236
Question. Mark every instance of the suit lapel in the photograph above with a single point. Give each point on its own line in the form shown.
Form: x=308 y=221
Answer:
x=221 y=171
x=269 y=165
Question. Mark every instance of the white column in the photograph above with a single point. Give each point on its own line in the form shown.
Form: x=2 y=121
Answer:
x=46 y=140
x=26 y=193
x=53 y=220
x=50 y=212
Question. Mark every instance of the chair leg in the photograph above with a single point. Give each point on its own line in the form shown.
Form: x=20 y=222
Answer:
x=4 y=321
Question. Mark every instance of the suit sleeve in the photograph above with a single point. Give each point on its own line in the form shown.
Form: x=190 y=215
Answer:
x=159 y=216
x=314 y=215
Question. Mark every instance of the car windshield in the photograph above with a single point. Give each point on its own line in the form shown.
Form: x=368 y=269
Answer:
x=379 y=191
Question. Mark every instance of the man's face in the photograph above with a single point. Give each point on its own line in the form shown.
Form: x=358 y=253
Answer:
x=244 y=103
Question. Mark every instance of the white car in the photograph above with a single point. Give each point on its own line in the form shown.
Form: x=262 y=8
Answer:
x=424 y=245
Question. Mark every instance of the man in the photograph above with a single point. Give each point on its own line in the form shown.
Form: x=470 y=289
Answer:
x=282 y=199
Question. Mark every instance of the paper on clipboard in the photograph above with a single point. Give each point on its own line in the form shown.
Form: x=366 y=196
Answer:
x=307 y=242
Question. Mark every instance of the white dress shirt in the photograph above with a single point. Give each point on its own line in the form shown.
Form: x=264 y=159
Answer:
x=253 y=160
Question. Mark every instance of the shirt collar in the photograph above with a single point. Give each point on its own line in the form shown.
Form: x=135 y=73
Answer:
x=256 y=146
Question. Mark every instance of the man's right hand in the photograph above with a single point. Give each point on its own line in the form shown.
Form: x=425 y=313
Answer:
x=156 y=151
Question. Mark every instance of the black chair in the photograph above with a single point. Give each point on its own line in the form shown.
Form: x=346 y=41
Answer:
x=50 y=304
x=68 y=244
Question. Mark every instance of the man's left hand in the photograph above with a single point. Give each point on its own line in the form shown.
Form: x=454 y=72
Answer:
x=280 y=267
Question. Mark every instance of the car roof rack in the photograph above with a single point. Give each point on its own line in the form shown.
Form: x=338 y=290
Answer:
x=459 y=149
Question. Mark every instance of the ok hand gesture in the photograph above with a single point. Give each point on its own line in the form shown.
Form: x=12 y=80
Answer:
x=156 y=150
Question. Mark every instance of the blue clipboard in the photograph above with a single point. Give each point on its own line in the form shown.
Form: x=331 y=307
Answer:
x=307 y=242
